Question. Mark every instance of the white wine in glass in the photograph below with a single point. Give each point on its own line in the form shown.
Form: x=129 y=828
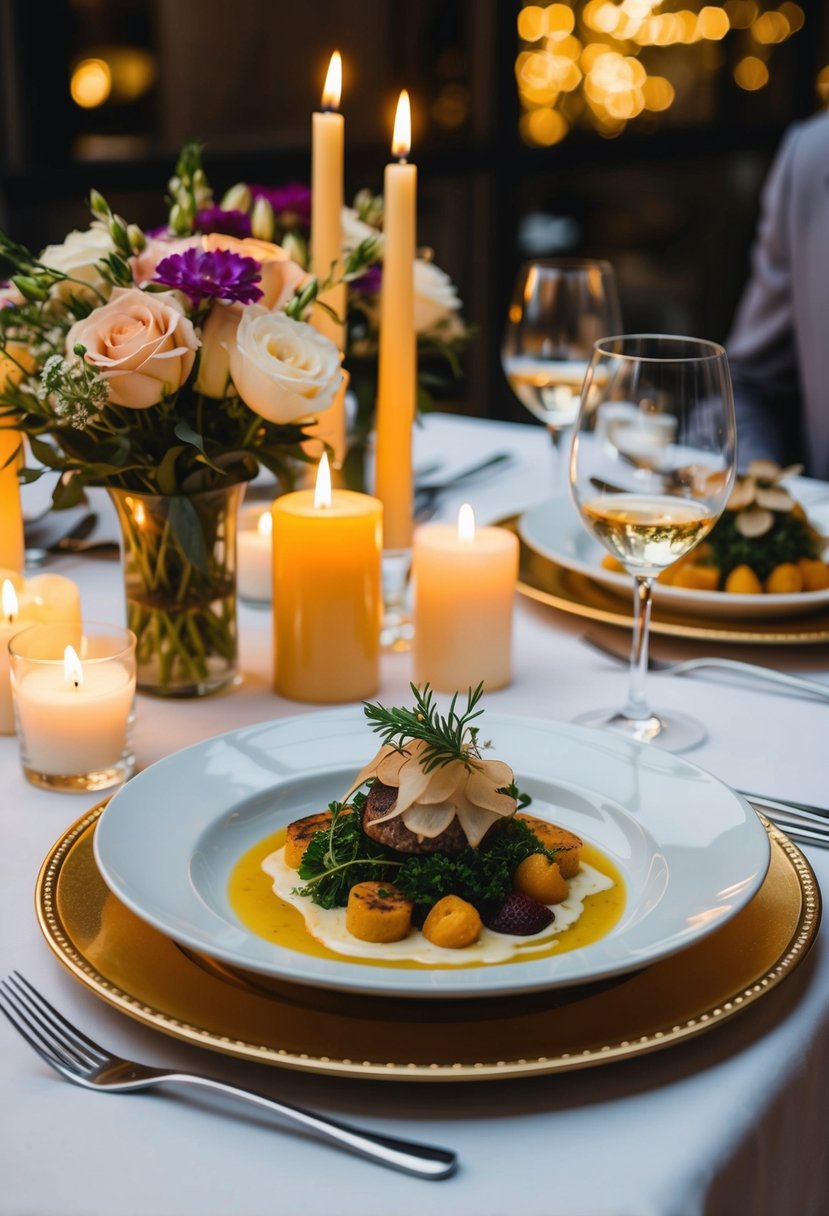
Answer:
x=651 y=469
x=559 y=308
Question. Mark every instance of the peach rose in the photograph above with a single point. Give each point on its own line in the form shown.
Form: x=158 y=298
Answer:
x=280 y=276
x=218 y=335
x=141 y=344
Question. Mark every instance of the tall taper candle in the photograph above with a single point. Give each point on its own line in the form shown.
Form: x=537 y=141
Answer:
x=327 y=144
x=397 y=382
x=11 y=514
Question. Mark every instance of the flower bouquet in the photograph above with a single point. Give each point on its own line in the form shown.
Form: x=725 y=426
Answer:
x=168 y=367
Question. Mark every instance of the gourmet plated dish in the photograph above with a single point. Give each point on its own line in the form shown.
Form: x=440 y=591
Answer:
x=763 y=543
x=430 y=859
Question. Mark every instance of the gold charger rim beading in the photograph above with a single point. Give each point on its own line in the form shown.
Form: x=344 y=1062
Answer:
x=546 y=582
x=168 y=1010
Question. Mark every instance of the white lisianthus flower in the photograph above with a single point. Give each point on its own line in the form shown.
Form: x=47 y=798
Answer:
x=436 y=297
x=77 y=256
x=283 y=369
x=355 y=230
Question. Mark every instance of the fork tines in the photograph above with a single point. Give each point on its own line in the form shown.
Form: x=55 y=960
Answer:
x=48 y=1032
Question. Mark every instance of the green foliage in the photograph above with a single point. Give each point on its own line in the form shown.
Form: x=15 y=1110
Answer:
x=789 y=538
x=447 y=738
x=340 y=856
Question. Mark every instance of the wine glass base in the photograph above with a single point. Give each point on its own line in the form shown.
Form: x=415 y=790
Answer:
x=673 y=732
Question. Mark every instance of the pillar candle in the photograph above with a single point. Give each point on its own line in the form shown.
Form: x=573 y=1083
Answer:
x=397 y=374
x=44 y=599
x=11 y=513
x=463 y=589
x=15 y=360
x=327 y=150
x=326 y=593
x=253 y=560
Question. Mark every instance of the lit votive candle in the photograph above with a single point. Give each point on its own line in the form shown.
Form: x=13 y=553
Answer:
x=73 y=689
x=254 y=558
x=25 y=602
x=327 y=601
x=463 y=586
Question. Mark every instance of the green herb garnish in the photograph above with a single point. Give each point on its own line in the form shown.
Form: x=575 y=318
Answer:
x=447 y=738
x=342 y=855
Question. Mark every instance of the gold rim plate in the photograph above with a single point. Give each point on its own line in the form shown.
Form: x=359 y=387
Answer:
x=135 y=968
x=545 y=581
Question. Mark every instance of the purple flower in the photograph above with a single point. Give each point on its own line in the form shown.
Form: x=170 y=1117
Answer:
x=291 y=203
x=230 y=223
x=369 y=282
x=220 y=275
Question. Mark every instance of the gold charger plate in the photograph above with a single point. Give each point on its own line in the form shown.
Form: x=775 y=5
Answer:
x=543 y=580
x=146 y=975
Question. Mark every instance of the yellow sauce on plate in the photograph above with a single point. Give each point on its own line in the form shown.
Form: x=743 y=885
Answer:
x=265 y=914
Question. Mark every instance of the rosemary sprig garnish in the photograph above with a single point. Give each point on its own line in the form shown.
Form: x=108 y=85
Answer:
x=447 y=738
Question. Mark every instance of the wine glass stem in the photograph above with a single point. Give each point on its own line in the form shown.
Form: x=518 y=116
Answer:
x=560 y=436
x=637 y=706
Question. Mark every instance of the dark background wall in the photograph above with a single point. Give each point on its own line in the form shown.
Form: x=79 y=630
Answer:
x=671 y=200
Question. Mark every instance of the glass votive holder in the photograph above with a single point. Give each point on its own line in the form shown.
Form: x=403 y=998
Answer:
x=254 y=555
x=73 y=687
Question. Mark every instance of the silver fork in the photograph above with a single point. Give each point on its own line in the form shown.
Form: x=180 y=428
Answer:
x=782 y=678
x=81 y=1061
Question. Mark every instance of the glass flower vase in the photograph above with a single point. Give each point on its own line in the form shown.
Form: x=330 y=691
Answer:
x=179 y=562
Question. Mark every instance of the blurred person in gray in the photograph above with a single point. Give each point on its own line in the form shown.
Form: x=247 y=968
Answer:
x=778 y=348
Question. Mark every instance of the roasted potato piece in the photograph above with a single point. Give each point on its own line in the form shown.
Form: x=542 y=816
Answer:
x=541 y=879
x=378 y=912
x=743 y=581
x=300 y=833
x=785 y=579
x=815 y=574
x=568 y=846
x=697 y=578
x=452 y=923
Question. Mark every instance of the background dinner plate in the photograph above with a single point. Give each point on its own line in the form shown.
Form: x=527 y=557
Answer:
x=691 y=852
x=554 y=530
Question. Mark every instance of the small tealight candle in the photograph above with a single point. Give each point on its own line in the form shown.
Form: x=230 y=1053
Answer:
x=327 y=602
x=24 y=602
x=73 y=692
x=254 y=560
x=463 y=590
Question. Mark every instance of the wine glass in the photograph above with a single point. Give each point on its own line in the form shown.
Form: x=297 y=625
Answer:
x=559 y=308
x=651 y=468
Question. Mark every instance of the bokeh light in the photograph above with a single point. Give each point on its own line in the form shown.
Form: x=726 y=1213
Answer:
x=91 y=83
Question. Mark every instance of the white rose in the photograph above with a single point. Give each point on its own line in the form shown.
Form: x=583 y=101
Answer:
x=77 y=257
x=436 y=297
x=355 y=230
x=283 y=369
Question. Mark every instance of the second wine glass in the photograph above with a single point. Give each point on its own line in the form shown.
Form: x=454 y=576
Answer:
x=560 y=307
x=651 y=469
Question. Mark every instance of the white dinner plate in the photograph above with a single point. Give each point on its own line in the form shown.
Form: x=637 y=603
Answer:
x=554 y=530
x=691 y=851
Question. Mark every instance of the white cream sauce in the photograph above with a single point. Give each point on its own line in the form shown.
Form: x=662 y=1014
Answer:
x=327 y=925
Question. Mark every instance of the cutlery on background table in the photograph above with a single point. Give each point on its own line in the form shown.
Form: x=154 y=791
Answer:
x=80 y=1060
x=428 y=492
x=753 y=670
x=76 y=540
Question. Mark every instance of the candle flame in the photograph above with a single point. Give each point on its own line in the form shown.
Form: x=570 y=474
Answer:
x=322 y=490
x=264 y=525
x=333 y=88
x=466 y=524
x=140 y=515
x=9 y=600
x=72 y=670
x=401 y=141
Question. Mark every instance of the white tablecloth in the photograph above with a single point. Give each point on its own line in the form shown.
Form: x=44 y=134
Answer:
x=730 y=1123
